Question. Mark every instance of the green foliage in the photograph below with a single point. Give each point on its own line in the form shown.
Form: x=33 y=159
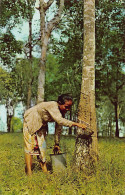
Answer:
x=6 y=85
x=106 y=178
x=68 y=50
x=11 y=12
x=14 y=84
x=21 y=73
x=106 y=117
x=59 y=80
x=4 y=81
x=110 y=75
x=52 y=83
x=16 y=124
x=9 y=47
x=110 y=47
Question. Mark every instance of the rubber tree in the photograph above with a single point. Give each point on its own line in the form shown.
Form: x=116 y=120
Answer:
x=86 y=142
x=46 y=29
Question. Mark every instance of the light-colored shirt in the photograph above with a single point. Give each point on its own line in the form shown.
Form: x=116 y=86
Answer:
x=42 y=113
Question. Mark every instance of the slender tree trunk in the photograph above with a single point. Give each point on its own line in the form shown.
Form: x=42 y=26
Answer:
x=117 y=107
x=41 y=78
x=70 y=128
x=110 y=127
x=10 y=113
x=9 y=117
x=86 y=144
x=29 y=94
x=116 y=120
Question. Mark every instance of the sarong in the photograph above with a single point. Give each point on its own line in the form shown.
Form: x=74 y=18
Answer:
x=35 y=144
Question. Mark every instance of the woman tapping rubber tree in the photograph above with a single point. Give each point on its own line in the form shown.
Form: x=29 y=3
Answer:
x=35 y=127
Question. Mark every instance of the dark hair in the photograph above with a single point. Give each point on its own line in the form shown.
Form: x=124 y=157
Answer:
x=64 y=97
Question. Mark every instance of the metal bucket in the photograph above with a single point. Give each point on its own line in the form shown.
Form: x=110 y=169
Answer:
x=58 y=161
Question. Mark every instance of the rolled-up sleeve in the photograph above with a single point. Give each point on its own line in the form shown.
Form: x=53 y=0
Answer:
x=57 y=117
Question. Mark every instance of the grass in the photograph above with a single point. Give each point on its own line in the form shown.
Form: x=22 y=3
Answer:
x=107 y=178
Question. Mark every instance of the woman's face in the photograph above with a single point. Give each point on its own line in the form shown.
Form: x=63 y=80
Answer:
x=66 y=107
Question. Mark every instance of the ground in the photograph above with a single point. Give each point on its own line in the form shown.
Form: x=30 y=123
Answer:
x=107 y=177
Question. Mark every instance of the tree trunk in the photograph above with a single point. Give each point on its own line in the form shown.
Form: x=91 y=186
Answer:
x=41 y=78
x=29 y=95
x=70 y=128
x=116 y=120
x=86 y=143
x=10 y=113
x=9 y=117
x=46 y=29
x=117 y=107
x=30 y=65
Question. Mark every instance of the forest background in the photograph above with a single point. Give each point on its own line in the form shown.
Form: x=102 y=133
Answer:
x=64 y=61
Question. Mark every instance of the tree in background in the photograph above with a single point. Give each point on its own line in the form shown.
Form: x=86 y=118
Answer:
x=67 y=48
x=86 y=146
x=9 y=47
x=110 y=47
x=11 y=13
x=7 y=94
x=20 y=74
x=105 y=116
x=29 y=45
x=46 y=29
x=16 y=124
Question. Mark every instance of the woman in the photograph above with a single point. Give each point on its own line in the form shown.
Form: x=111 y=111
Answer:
x=35 y=127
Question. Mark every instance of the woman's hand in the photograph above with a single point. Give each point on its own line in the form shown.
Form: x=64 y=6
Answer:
x=80 y=125
x=56 y=149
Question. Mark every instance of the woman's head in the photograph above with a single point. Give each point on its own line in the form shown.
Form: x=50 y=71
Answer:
x=65 y=102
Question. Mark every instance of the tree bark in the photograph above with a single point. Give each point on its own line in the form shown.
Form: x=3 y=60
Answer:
x=46 y=29
x=86 y=143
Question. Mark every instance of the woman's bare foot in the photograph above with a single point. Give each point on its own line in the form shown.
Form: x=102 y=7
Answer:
x=44 y=167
